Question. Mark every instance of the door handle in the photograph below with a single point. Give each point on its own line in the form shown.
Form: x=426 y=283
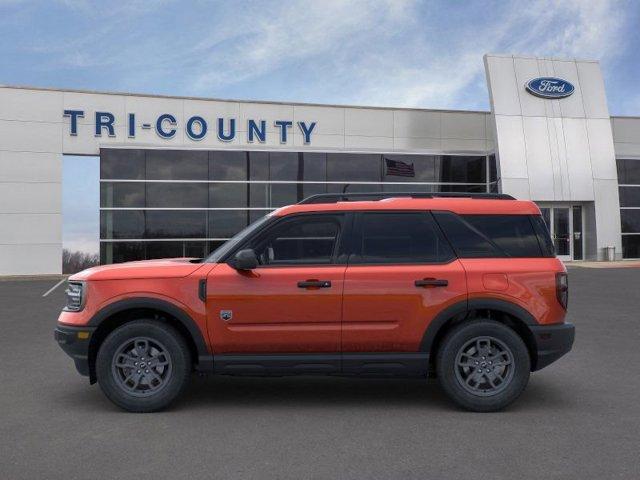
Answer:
x=431 y=282
x=315 y=284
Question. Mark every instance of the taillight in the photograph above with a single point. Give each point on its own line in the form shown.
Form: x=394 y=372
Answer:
x=562 y=289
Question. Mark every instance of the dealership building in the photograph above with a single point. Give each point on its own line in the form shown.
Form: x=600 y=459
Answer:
x=180 y=175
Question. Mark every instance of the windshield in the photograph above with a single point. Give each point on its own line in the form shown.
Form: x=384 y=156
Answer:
x=234 y=241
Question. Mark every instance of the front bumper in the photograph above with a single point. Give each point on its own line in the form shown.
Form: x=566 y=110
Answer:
x=75 y=343
x=552 y=342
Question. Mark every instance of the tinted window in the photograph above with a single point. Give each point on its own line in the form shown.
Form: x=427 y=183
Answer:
x=117 y=252
x=177 y=195
x=631 y=246
x=467 y=242
x=354 y=167
x=228 y=166
x=462 y=169
x=628 y=171
x=476 y=236
x=285 y=166
x=226 y=223
x=122 y=163
x=629 y=196
x=400 y=238
x=258 y=166
x=121 y=224
x=630 y=221
x=303 y=240
x=223 y=195
x=176 y=165
x=122 y=195
x=542 y=232
x=176 y=224
x=513 y=234
x=164 y=250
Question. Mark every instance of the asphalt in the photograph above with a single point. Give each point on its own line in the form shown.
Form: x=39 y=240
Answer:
x=578 y=419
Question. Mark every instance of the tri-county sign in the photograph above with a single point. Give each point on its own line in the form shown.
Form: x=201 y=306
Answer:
x=549 y=87
x=196 y=127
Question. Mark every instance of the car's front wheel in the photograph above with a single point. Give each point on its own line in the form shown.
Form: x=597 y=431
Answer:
x=143 y=366
x=483 y=365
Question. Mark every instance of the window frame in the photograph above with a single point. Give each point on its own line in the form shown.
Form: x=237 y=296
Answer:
x=357 y=232
x=338 y=256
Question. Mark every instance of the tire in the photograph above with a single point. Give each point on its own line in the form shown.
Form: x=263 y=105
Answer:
x=475 y=373
x=143 y=366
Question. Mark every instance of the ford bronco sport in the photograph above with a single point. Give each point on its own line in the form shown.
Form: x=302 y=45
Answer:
x=465 y=287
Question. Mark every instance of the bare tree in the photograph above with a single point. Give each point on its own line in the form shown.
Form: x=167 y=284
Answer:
x=73 y=262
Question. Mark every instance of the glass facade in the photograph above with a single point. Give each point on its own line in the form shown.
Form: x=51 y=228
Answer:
x=171 y=203
x=629 y=190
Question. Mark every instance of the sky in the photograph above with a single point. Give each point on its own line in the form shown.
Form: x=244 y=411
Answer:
x=401 y=53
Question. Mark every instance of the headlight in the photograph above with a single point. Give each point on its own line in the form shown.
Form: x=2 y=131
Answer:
x=75 y=296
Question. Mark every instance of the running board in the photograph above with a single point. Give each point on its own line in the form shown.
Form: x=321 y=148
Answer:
x=385 y=364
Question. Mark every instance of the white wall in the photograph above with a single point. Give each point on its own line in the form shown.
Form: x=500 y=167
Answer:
x=626 y=136
x=556 y=149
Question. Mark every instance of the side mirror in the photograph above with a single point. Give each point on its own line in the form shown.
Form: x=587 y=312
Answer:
x=244 y=260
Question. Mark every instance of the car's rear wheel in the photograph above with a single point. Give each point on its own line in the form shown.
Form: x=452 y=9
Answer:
x=483 y=365
x=143 y=366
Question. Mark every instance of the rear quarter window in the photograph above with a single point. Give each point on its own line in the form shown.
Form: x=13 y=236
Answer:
x=485 y=236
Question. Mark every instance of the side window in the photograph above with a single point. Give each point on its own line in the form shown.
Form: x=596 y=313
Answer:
x=310 y=239
x=512 y=233
x=467 y=242
x=485 y=236
x=400 y=237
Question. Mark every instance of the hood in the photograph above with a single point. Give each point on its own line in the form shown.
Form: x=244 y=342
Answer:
x=163 y=268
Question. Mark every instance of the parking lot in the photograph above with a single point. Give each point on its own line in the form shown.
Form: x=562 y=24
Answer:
x=579 y=418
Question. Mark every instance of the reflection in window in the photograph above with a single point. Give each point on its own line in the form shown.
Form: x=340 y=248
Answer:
x=229 y=165
x=177 y=195
x=176 y=165
x=228 y=195
x=121 y=224
x=226 y=223
x=354 y=167
x=128 y=195
x=176 y=224
x=126 y=164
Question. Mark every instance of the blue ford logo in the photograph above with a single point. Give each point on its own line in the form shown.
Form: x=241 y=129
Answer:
x=549 y=87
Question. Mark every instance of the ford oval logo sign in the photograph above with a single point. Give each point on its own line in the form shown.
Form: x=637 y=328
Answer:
x=549 y=87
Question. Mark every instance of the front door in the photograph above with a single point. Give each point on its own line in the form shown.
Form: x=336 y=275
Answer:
x=291 y=303
x=562 y=232
x=401 y=275
x=565 y=228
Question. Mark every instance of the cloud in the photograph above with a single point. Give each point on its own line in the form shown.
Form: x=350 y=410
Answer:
x=387 y=52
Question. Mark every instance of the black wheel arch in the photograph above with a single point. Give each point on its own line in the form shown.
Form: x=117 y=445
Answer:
x=503 y=311
x=123 y=311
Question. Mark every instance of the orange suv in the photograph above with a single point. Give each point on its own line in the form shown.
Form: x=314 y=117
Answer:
x=465 y=287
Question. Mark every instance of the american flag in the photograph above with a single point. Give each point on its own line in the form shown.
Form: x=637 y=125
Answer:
x=399 y=169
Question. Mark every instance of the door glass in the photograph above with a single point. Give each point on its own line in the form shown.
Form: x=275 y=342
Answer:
x=401 y=238
x=309 y=240
x=577 y=232
x=561 y=237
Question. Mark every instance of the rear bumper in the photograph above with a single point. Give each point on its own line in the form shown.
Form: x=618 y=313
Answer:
x=75 y=343
x=552 y=342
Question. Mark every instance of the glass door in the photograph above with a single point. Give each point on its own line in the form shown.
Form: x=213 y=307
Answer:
x=566 y=230
x=562 y=234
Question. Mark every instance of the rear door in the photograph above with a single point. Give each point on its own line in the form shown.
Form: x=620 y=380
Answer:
x=401 y=274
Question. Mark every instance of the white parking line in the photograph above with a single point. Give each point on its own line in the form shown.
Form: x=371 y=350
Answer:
x=54 y=287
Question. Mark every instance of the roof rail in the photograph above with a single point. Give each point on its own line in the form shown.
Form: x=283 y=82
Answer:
x=364 y=196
